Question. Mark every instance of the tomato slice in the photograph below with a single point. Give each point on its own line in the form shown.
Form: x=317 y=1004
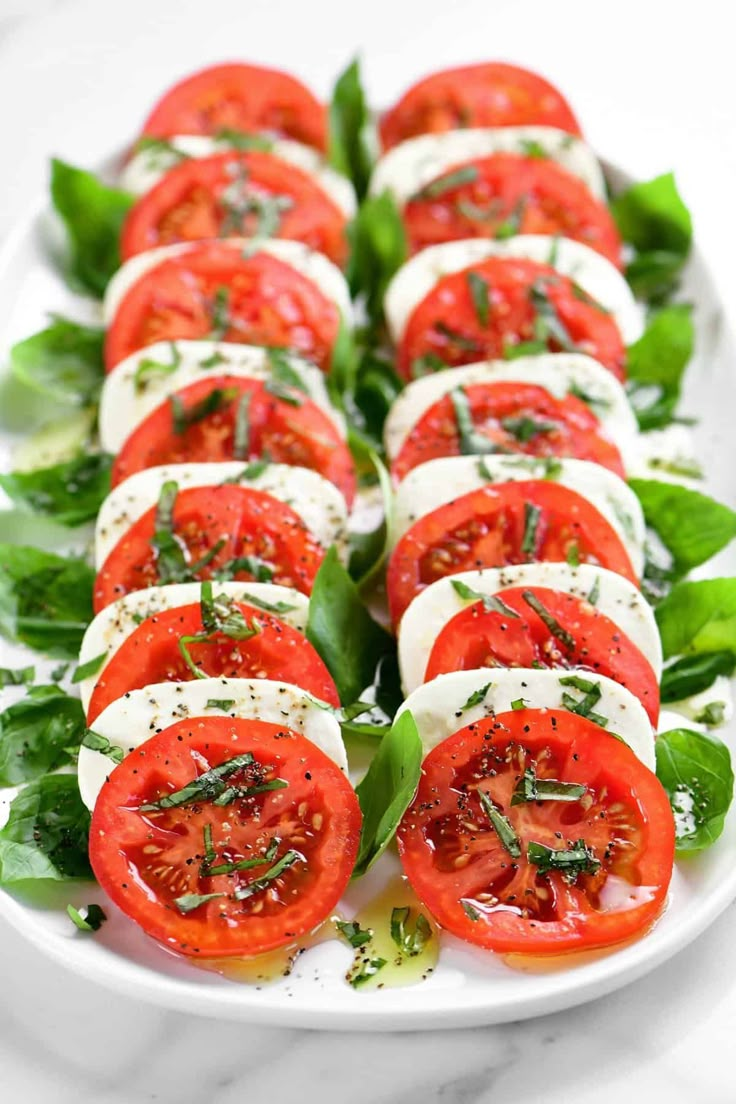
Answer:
x=527 y=301
x=244 y=522
x=214 y=290
x=502 y=523
x=235 y=194
x=555 y=630
x=298 y=828
x=248 y=98
x=277 y=421
x=507 y=193
x=517 y=417
x=152 y=654
x=494 y=894
x=491 y=94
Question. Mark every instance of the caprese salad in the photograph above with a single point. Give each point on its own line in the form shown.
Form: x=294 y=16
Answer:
x=330 y=343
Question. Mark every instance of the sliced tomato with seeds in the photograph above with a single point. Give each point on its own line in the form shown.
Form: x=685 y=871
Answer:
x=516 y=417
x=505 y=194
x=200 y=423
x=153 y=653
x=485 y=310
x=227 y=528
x=258 y=854
x=502 y=866
x=543 y=628
x=491 y=94
x=247 y=98
x=214 y=290
x=528 y=521
x=235 y=194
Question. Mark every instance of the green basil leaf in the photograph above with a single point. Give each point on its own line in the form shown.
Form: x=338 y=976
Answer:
x=64 y=362
x=698 y=617
x=70 y=493
x=45 y=600
x=369 y=547
x=343 y=366
x=652 y=217
x=347 y=638
x=19 y=676
x=36 y=734
x=352 y=142
x=376 y=389
x=692 y=526
x=388 y=789
x=93 y=215
x=656 y=363
x=695 y=770
x=45 y=838
x=378 y=249
x=93 y=919
x=694 y=673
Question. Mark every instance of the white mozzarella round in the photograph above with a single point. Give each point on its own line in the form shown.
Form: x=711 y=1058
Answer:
x=595 y=275
x=133 y=719
x=314 y=266
x=440 y=707
x=318 y=503
x=146 y=167
x=125 y=402
x=113 y=625
x=615 y=597
x=437 y=482
x=558 y=373
x=410 y=166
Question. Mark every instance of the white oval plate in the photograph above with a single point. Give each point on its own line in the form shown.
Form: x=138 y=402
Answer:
x=468 y=986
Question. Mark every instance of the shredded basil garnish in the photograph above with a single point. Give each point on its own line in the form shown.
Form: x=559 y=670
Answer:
x=531 y=788
x=571 y=863
x=551 y=622
x=501 y=825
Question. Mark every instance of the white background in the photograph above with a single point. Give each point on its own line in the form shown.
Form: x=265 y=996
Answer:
x=654 y=87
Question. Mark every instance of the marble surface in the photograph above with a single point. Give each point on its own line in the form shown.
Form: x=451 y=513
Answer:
x=666 y=1036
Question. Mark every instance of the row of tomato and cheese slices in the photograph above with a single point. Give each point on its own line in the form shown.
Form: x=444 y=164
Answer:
x=221 y=405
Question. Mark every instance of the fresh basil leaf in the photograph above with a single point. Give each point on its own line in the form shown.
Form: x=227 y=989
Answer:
x=376 y=389
x=45 y=837
x=91 y=667
x=694 y=673
x=656 y=363
x=93 y=919
x=695 y=770
x=698 y=617
x=369 y=547
x=347 y=638
x=93 y=214
x=353 y=933
x=343 y=366
x=70 y=493
x=352 y=143
x=64 y=362
x=36 y=734
x=45 y=600
x=388 y=789
x=692 y=526
x=652 y=217
x=378 y=249
x=20 y=676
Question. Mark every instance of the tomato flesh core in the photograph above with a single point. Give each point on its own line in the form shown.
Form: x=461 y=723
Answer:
x=477 y=637
x=465 y=873
x=287 y=803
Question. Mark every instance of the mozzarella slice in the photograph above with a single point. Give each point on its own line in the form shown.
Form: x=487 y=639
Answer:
x=437 y=482
x=413 y=164
x=595 y=275
x=615 y=597
x=125 y=403
x=318 y=503
x=114 y=624
x=314 y=266
x=145 y=168
x=440 y=707
x=133 y=719
x=558 y=373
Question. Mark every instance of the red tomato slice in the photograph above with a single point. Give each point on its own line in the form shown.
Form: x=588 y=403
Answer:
x=491 y=527
x=213 y=290
x=152 y=654
x=281 y=424
x=517 y=417
x=229 y=195
x=476 y=888
x=488 y=95
x=246 y=98
x=301 y=838
x=247 y=521
x=447 y=327
x=507 y=193
x=584 y=637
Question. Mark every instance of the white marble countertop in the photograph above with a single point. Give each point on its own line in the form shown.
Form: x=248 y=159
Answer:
x=655 y=91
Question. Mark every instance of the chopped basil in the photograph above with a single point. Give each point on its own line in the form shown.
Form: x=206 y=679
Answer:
x=209 y=785
x=519 y=703
x=149 y=369
x=595 y=591
x=531 y=788
x=93 y=919
x=594 y=401
x=551 y=623
x=446 y=183
x=241 y=140
x=220 y=614
x=284 y=392
x=97 y=742
x=476 y=698
x=188 y=902
x=514 y=350
x=530 y=147
x=532 y=517
x=241 y=436
x=426 y=365
x=220 y=323
x=471 y=912
x=454 y=337
x=369 y=968
x=512 y=224
x=491 y=602
x=410 y=943
x=211 y=869
x=91 y=667
x=183 y=417
x=261 y=570
x=501 y=825
x=572 y=554
x=584 y=706
x=548 y=326
x=352 y=931
x=287 y=860
x=712 y=715
x=213 y=360
x=472 y=443
x=480 y=294
x=225 y=704
x=525 y=428
x=20 y=676
x=252 y=471
x=571 y=863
